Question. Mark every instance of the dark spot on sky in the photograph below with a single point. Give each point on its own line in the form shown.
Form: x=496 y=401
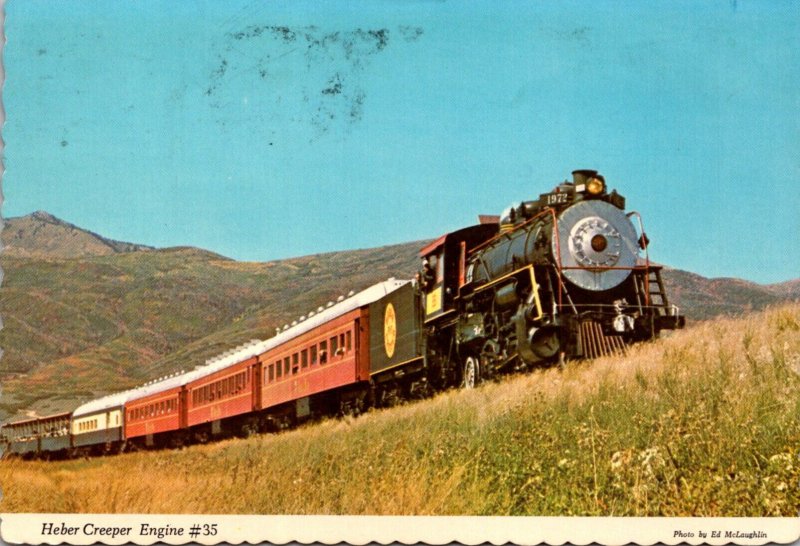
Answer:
x=580 y=34
x=410 y=34
x=64 y=143
x=41 y=52
x=357 y=106
x=335 y=59
x=254 y=31
x=381 y=36
x=334 y=86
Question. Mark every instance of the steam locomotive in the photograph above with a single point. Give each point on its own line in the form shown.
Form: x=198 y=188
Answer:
x=564 y=276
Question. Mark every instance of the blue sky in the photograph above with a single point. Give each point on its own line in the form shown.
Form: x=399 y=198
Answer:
x=265 y=130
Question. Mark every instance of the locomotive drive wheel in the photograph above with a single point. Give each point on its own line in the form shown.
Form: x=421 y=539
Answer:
x=472 y=371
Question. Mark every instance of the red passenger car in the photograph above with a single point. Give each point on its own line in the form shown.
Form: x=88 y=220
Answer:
x=156 y=410
x=225 y=391
x=328 y=356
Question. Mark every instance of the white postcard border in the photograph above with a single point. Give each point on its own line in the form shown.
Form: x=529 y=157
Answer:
x=145 y=529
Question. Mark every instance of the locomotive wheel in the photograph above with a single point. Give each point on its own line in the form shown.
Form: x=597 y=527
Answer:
x=472 y=373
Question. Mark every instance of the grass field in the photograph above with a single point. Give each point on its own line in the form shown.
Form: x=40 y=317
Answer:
x=705 y=422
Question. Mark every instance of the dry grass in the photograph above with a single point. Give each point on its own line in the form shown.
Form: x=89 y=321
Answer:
x=704 y=422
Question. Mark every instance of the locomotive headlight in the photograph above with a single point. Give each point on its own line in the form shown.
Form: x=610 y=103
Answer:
x=594 y=186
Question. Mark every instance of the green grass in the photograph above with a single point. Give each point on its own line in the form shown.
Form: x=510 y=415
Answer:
x=704 y=423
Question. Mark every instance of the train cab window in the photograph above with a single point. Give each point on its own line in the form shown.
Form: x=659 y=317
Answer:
x=286 y=366
x=304 y=358
x=348 y=340
x=313 y=354
x=323 y=352
x=437 y=267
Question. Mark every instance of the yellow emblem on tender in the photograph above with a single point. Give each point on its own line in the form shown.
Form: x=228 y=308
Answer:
x=433 y=301
x=389 y=330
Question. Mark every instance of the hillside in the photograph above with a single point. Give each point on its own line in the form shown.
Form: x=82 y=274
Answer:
x=84 y=315
x=788 y=289
x=701 y=298
x=705 y=422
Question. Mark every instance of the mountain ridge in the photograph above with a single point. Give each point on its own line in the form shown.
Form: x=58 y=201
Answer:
x=41 y=234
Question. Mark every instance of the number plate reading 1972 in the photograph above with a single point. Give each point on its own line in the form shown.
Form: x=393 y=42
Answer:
x=555 y=198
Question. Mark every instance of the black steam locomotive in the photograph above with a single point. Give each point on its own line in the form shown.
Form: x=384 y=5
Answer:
x=567 y=275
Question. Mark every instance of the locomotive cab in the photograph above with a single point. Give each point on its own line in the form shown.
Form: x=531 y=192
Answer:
x=443 y=266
